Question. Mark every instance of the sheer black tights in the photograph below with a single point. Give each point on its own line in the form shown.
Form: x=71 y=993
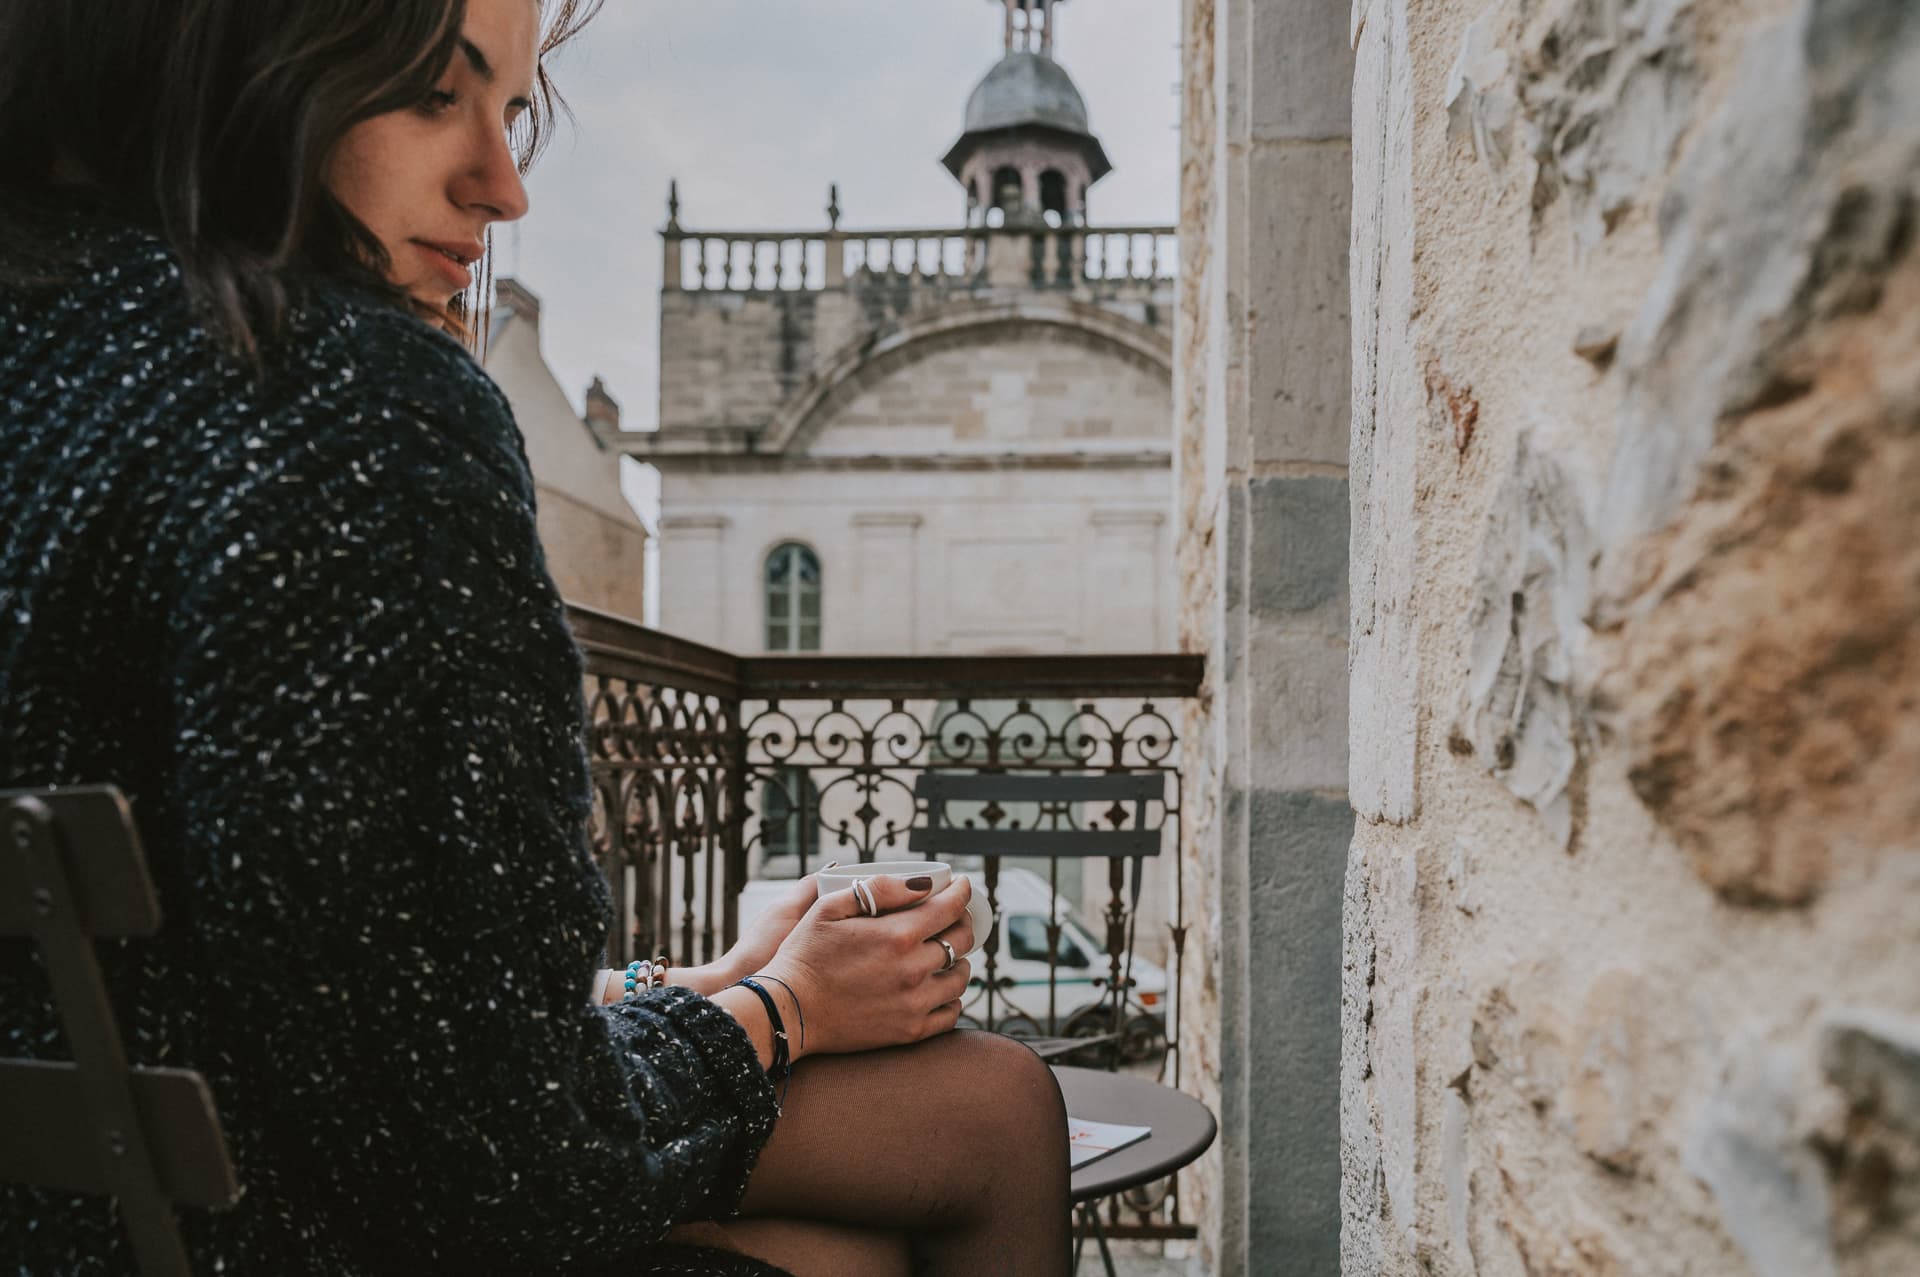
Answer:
x=949 y=1157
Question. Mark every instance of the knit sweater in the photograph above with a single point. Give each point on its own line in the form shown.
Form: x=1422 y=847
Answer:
x=302 y=619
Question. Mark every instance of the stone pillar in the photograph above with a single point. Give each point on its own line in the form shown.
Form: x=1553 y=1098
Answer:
x=884 y=543
x=693 y=555
x=1262 y=397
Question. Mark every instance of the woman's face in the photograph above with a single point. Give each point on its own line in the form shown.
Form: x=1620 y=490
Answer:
x=428 y=180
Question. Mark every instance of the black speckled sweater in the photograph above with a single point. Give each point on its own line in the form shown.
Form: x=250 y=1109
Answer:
x=304 y=622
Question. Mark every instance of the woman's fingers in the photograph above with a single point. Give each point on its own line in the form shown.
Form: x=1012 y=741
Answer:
x=940 y=911
x=948 y=986
x=942 y=1019
x=882 y=893
x=959 y=935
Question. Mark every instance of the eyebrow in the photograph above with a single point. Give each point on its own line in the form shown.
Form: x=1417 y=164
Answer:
x=477 y=59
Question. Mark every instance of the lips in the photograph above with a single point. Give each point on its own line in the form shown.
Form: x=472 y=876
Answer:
x=453 y=259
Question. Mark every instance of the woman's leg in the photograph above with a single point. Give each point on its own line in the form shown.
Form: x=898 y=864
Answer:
x=807 y=1248
x=959 y=1142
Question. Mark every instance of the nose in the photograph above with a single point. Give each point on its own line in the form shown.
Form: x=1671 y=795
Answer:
x=491 y=182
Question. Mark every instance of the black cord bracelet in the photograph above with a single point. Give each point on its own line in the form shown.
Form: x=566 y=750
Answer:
x=798 y=1010
x=782 y=1064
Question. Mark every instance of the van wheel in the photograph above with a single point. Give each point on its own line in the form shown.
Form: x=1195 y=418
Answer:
x=1144 y=1037
x=1092 y=1022
x=1016 y=1024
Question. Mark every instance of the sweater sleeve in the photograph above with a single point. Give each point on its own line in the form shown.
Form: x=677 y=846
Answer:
x=380 y=781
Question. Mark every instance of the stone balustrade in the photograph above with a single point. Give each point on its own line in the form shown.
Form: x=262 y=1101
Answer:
x=799 y=261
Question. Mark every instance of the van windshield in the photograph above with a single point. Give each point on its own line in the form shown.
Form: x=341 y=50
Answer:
x=1027 y=941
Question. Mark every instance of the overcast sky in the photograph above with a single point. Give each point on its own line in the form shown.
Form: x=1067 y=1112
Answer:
x=756 y=105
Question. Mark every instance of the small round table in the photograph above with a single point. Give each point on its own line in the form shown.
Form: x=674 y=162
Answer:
x=1182 y=1130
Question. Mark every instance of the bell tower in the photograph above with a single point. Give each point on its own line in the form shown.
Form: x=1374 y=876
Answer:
x=1027 y=155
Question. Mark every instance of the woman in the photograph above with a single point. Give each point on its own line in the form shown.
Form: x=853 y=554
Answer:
x=268 y=563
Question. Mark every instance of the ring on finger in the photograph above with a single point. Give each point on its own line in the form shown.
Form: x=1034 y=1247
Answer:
x=863 y=894
x=952 y=957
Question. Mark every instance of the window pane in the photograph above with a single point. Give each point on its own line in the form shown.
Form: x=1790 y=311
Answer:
x=809 y=566
x=776 y=605
x=809 y=638
x=1027 y=938
x=779 y=566
x=810 y=605
x=776 y=638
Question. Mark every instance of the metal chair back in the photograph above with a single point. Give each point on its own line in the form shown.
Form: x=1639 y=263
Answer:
x=72 y=871
x=1124 y=843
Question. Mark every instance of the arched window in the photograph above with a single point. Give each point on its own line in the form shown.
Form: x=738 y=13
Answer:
x=1053 y=197
x=790 y=815
x=1009 y=192
x=793 y=599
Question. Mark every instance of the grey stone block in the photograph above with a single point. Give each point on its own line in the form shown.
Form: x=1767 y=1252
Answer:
x=1298 y=556
x=1298 y=849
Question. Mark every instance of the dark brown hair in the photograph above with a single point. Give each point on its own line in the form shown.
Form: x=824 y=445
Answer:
x=211 y=122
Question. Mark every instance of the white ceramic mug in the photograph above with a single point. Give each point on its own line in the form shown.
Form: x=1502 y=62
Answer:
x=842 y=877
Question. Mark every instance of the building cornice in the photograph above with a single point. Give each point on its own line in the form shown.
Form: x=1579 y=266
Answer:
x=762 y=463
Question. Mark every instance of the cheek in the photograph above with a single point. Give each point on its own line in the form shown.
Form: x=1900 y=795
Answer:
x=367 y=173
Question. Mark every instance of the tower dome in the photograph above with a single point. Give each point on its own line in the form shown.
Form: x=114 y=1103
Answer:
x=1027 y=89
x=1027 y=154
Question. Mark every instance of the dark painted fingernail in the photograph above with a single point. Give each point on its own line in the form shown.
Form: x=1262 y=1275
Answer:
x=919 y=882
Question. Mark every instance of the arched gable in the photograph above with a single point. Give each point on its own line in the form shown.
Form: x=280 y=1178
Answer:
x=872 y=359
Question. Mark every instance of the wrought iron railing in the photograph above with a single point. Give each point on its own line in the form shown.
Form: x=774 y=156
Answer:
x=712 y=770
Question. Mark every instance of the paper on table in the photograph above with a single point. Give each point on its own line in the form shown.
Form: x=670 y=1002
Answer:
x=1089 y=1141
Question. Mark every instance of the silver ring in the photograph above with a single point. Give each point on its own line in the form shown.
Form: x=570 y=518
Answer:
x=952 y=957
x=864 y=895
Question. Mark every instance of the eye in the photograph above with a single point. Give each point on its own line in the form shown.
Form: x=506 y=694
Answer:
x=436 y=102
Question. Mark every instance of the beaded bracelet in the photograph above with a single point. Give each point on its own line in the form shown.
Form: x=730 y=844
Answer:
x=644 y=974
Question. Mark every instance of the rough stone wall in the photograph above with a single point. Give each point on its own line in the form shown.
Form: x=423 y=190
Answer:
x=1633 y=906
x=1261 y=399
x=1198 y=373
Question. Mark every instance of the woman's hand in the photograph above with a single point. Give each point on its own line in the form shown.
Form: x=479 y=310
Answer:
x=749 y=954
x=866 y=983
x=763 y=938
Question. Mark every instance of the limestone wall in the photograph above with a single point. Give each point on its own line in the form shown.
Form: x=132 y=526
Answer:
x=731 y=359
x=932 y=561
x=594 y=542
x=1633 y=906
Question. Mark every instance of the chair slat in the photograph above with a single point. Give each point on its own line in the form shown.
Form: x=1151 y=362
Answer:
x=107 y=873
x=1080 y=843
x=998 y=787
x=44 y=1109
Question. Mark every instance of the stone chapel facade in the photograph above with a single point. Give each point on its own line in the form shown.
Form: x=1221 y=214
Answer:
x=927 y=441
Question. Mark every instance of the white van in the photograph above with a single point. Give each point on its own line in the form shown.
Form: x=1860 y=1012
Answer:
x=1020 y=1008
